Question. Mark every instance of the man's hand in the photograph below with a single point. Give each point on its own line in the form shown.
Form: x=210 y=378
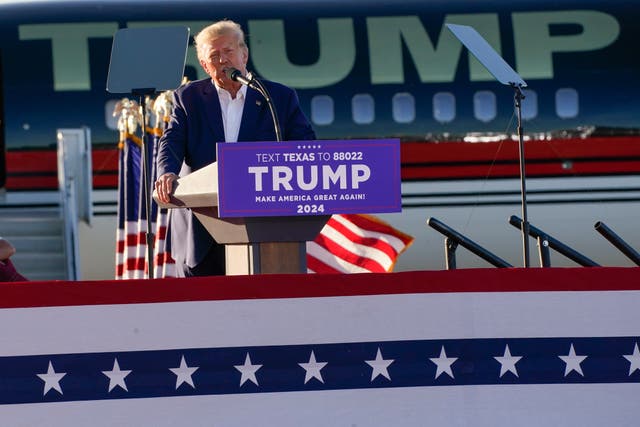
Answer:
x=164 y=186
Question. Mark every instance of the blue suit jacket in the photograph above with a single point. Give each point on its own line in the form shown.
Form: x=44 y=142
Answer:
x=188 y=144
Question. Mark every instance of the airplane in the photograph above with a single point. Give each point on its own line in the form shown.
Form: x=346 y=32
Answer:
x=370 y=69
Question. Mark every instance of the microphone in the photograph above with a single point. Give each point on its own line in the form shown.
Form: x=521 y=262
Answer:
x=236 y=75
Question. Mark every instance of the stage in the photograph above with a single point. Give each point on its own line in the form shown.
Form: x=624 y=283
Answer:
x=477 y=347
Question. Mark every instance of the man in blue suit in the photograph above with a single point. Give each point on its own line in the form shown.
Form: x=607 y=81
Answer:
x=216 y=110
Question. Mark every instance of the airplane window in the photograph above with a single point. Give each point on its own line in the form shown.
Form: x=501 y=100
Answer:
x=444 y=107
x=484 y=105
x=363 y=109
x=322 y=110
x=404 y=107
x=109 y=120
x=529 y=105
x=567 y=103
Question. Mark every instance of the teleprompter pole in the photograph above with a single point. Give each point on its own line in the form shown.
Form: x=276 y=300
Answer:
x=523 y=186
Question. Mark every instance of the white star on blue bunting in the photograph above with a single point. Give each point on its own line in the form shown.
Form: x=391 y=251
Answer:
x=184 y=373
x=379 y=366
x=573 y=362
x=508 y=362
x=117 y=376
x=443 y=363
x=248 y=371
x=52 y=379
x=634 y=359
x=312 y=369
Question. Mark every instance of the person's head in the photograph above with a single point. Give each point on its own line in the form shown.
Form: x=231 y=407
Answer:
x=6 y=249
x=220 y=46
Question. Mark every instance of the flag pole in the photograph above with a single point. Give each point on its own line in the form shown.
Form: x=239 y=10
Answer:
x=146 y=168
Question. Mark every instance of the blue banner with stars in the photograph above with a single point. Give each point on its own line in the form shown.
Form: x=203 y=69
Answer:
x=273 y=369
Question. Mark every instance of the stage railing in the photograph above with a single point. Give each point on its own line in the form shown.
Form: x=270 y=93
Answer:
x=617 y=241
x=546 y=241
x=454 y=238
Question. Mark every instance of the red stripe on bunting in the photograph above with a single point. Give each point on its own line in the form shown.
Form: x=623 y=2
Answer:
x=61 y=293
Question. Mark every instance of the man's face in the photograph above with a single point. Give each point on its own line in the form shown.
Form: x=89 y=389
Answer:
x=223 y=53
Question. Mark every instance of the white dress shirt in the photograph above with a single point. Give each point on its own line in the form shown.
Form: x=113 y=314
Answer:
x=231 y=112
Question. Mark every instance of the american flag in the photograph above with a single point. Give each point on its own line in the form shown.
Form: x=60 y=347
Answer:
x=349 y=243
x=131 y=243
x=356 y=243
x=164 y=265
x=469 y=347
x=130 y=239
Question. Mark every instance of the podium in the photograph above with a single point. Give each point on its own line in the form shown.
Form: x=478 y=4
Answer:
x=265 y=200
x=253 y=245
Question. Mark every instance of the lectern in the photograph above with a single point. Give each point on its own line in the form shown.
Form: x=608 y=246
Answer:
x=265 y=200
x=254 y=245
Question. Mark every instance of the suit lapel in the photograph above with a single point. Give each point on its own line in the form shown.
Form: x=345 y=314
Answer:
x=253 y=106
x=213 y=114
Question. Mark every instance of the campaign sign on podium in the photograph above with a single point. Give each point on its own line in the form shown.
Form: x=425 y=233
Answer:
x=308 y=178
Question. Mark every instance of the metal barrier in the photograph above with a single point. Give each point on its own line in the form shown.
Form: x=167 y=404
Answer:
x=546 y=241
x=617 y=241
x=454 y=238
x=75 y=185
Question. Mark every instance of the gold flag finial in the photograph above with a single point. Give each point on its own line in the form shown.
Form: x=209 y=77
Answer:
x=129 y=117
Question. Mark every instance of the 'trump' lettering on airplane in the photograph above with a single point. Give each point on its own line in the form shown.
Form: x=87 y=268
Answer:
x=534 y=46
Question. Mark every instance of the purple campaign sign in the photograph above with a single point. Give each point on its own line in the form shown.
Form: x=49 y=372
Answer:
x=308 y=177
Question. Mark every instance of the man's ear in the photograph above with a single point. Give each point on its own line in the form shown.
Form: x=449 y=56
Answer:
x=245 y=58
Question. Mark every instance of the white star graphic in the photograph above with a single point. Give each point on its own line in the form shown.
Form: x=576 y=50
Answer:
x=52 y=379
x=116 y=376
x=444 y=363
x=248 y=371
x=379 y=366
x=634 y=359
x=573 y=362
x=184 y=373
x=312 y=369
x=508 y=362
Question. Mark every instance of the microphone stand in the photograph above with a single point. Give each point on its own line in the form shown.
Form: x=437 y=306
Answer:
x=255 y=84
x=523 y=189
x=274 y=116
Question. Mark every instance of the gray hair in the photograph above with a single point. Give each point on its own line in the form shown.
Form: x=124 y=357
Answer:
x=217 y=29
